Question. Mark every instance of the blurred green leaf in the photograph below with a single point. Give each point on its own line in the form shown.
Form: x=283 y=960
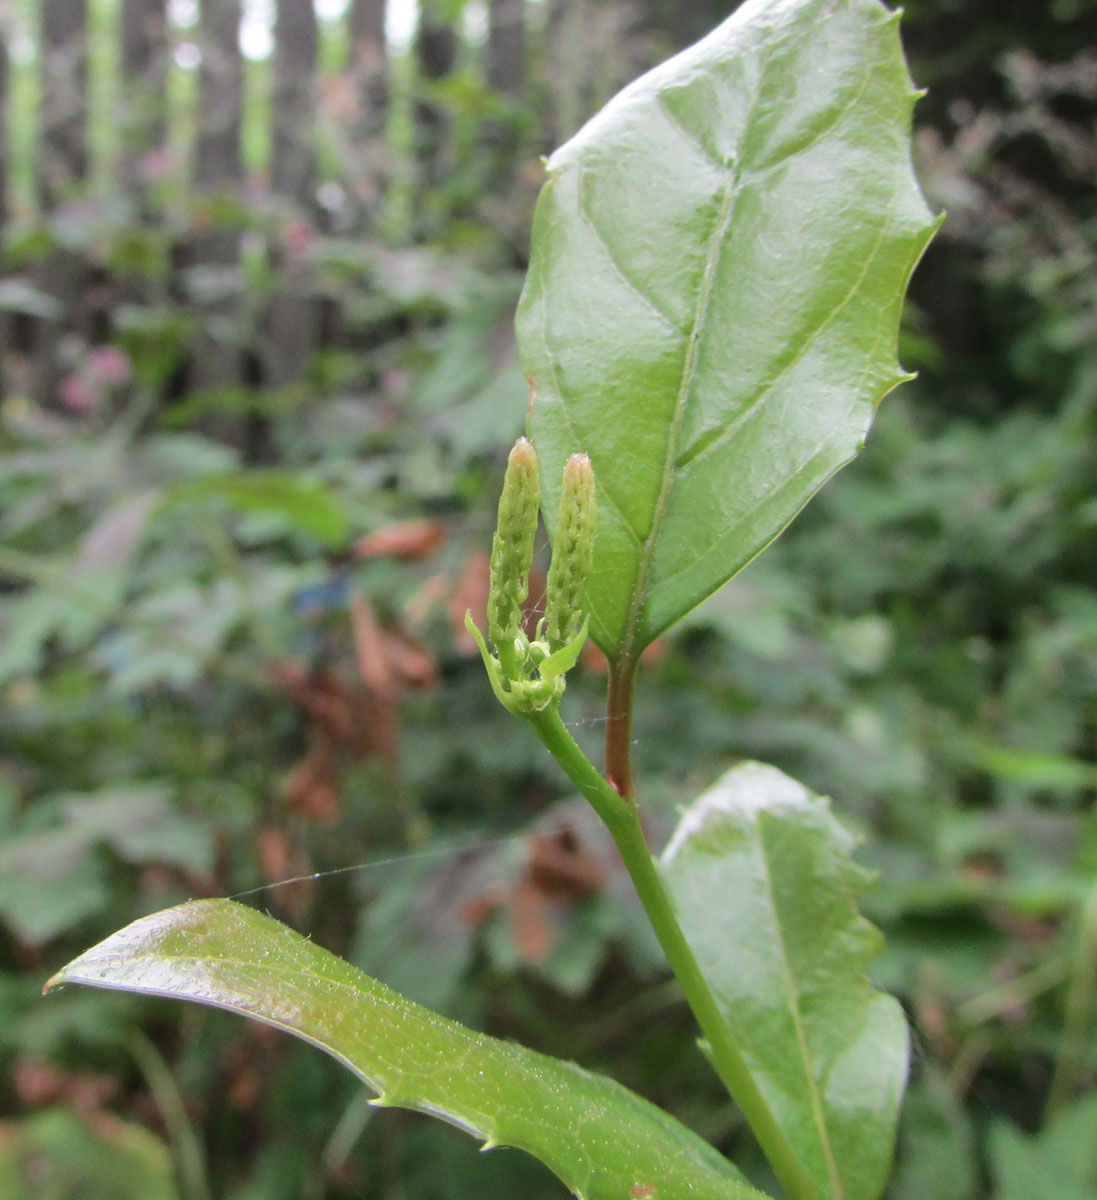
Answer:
x=51 y=879
x=1060 y=1161
x=937 y=1160
x=1035 y=769
x=300 y=503
x=57 y=1155
x=761 y=876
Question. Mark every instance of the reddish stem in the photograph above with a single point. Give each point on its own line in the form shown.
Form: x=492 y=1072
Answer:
x=622 y=676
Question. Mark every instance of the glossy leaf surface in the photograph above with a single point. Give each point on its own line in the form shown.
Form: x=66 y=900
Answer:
x=718 y=264
x=761 y=876
x=603 y=1141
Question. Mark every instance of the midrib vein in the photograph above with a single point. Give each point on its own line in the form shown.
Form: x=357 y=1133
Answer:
x=792 y=997
x=647 y=550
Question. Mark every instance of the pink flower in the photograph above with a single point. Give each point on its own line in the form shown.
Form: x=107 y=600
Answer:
x=77 y=396
x=297 y=234
x=108 y=366
x=156 y=165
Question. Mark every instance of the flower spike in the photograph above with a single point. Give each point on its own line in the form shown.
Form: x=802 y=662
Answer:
x=527 y=676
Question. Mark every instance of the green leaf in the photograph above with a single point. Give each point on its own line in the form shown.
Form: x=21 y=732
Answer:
x=1061 y=1160
x=299 y=503
x=603 y=1141
x=711 y=312
x=57 y=1155
x=51 y=880
x=760 y=875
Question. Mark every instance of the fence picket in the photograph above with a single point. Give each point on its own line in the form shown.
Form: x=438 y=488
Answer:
x=5 y=316
x=292 y=318
x=144 y=87
x=218 y=173
x=244 y=339
x=366 y=163
x=62 y=164
x=63 y=130
x=436 y=56
x=4 y=148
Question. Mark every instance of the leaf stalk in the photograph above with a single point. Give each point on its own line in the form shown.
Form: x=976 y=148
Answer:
x=619 y=813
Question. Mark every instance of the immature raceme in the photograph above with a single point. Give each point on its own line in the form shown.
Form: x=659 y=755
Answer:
x=572 y=553
x=512 y=552
x=528 y=675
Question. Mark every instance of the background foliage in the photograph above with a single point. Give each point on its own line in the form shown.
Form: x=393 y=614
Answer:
x=232 y=651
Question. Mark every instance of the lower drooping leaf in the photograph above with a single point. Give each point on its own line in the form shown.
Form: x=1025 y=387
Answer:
x=603 y=1141
x=760 y=874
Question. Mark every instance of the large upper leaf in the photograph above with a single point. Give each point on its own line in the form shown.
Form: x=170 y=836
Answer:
x=760 y=874
x=718 y=264
x=603 y=1141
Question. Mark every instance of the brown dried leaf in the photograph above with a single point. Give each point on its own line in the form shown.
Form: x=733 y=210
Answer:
x=470 y=594
x=323 y=697
x=369 y=647
x=534 y=921
x=408 y=541
x=410 y=659
x=558 y=873
x=312 y=788
x=281 y=859
x=562 y=868
x=37 y=1083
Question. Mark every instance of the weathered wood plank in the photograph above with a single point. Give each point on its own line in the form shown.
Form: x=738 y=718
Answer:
x=291 y=325
x=144 y=86
x=4 y=147
x=506 y=58
x=217 y=161
x=436 y=56
x=61 y=167
x=505 y=73
x=218 y=170
x=365 y=154
x=293 y=109
x=62 y=130
x=5 y=320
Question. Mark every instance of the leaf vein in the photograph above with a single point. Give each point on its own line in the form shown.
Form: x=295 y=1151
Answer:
x=794 y=1005
x=704 y=446
x=723 y=223
x=576 y=437
x=791 y=148
x=686 y=132
x=611 y=255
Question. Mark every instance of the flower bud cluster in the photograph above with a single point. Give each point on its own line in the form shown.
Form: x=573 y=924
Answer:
x=528 y=674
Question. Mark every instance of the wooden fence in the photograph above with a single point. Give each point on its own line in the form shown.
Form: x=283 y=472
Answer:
x=384 y=121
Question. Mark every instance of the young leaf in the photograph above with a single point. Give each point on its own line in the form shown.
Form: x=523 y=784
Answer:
x=603 y=1141
x=761 y=878
x=718 y=265
x=1061 y=1158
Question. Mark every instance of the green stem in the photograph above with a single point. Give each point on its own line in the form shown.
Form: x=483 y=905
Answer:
x=1022 y=990
x=352 y=1124
x=1079 y=1007
x=186 y=1147
x=623 y=821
